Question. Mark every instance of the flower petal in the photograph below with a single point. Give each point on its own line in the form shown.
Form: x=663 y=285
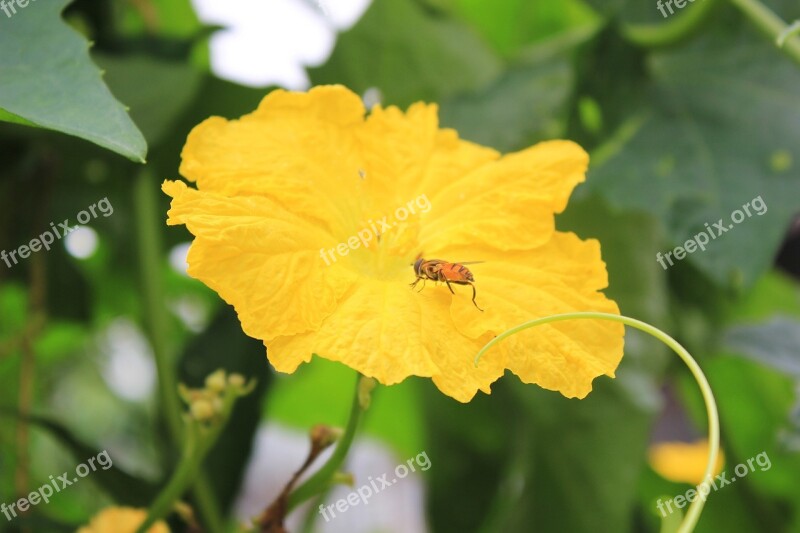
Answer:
x=260 y=258
x=388 y=331
x=683 y=462
x=508 y=204
x=286 y=223
x=299 y=149
x=562 y=276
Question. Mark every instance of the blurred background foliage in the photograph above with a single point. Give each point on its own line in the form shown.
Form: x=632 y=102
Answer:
x=687 y=118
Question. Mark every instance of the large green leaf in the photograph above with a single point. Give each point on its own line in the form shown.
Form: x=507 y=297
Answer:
x=125 y=488
x=409 y=54
x=633 y=11
x=512 y=24
x=629 y=243
x=754 y=407
x=774 y=343
x=47 y=78
x=473 y=448
x=526 y=103
x=715 y=131
x=588 y=455
x=158 y=91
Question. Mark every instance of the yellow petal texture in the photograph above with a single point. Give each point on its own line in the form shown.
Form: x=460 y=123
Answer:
x=309 y=212
x=121 y=520
x=561 y=276
x=251 y=251
x=683 y=462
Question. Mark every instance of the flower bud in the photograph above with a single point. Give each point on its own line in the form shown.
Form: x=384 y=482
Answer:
x=202 y=410
x=216 y=381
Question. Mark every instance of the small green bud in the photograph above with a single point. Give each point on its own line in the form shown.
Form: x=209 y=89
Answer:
x=202 y=410
x=216 y=381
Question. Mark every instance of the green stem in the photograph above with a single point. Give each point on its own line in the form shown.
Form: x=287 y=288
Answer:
x=182 y=476
x=156 y=322
x=676 y=30
x=155 y=315
x=790 y=31
x=321 y=480
x=772 y=25
x=200 y=438
x=693 y=513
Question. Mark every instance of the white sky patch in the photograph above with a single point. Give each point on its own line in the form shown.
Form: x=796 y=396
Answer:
x=192 y=311
x=177 y=257
x=270 y=42
x=279 y=451
x=129 y=367
x=81 y=243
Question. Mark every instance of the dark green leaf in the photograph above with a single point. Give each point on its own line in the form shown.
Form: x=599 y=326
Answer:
x=588 y=455
x=408 y=54
x=157 y=91
x=774 y=343
x=717 y=137
x=513 y=24
x=123 y=487
x=51 y=82
x=527 y=103
x=469 y=447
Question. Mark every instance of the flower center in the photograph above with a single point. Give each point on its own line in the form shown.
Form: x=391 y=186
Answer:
x=384 y=251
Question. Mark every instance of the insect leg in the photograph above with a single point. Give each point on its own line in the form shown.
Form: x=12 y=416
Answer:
x=413 y=285
x=448 y=285
x=475 y=293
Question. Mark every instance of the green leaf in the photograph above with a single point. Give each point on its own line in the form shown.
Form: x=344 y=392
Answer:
x=124 y=488
x=775 y=293
x=157 y=91
x=47 y=78
x=629 y=243
x=527 y=103
x=470 y=447
x=409 y=54
x=774 y=343
x=588 y=455
x=706 y=140
x=755 y=404
x=5 y=116
x=512 y=24
x=631 y=11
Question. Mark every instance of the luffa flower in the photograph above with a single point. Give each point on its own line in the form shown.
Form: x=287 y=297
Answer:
x=683 y=462
x=284 y=193
x=121 y=520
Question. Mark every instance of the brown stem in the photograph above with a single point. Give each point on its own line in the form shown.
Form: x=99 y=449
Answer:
x=272 y=519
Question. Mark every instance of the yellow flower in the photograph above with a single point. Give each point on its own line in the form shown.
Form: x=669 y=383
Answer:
x=308 y=215
x=683 y=462
x=121 y=520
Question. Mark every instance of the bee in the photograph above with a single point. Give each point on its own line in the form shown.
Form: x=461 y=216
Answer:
x=438 y=270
